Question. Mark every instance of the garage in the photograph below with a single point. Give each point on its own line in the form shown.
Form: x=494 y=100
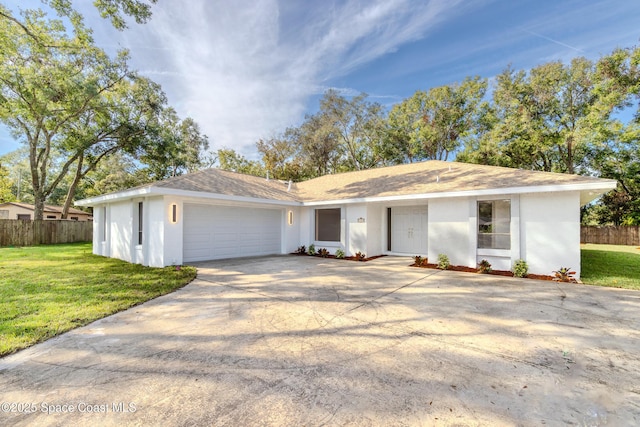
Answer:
x=218 y=232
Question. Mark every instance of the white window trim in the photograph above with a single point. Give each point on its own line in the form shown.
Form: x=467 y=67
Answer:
x=491 y=251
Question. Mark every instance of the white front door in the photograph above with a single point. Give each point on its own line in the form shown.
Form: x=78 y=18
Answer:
x=409 y=230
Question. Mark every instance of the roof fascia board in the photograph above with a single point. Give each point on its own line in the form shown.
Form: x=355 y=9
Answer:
x=599 y=186
x=114 y=197
x=160 y=191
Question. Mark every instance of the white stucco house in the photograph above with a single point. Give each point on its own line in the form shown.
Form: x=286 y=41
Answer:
x=468 y=212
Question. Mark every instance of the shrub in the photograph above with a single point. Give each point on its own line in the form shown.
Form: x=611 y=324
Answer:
x=323 y=253
x=484 y=266
x=339 y=253
x=564 y=274
x=360 y=256
x=443 y=262
x=312 y=249
x=520 y=268
x=301 y=250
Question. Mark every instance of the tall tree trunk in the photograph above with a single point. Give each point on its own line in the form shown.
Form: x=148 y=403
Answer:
x=570 y=168
x=72 y=188
x=38 y=212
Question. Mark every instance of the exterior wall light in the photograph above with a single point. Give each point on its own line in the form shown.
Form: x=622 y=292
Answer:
x=290 y=218
x=174 y=213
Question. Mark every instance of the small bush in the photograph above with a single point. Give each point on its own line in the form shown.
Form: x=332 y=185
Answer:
x=360 y=256
x=520 y=268
x=323 y=253
x=564 y=274
x=312 y=249
x=301 y=250
x=484 y=266
x=443 y=262
x=339 y=253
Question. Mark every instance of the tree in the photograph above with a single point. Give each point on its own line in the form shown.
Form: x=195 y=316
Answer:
x=616 y=153
x=48 y=80
x=123 y=119
x=345 y=134
x=357 y=124
x=114 y=10
x=432 y=125
x=73 y=106
x=281 y=155
x=228 y=159
x=16 y=163
x=542 y=117
x=115 y=172
x=6 y=193
x=320 y=149
x=178 y=147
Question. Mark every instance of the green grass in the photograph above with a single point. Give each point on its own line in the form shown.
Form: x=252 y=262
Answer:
x=611 y=265
x=48 y=290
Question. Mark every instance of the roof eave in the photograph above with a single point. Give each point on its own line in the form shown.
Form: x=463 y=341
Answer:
x=114 y=197
x=588 y=191
x=164 y=191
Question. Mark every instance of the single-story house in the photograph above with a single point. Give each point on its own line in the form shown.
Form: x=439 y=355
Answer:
x=468 y=212
x=18 y=210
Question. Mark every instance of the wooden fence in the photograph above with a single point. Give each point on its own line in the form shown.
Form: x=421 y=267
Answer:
x=611 y=235
x=16 y=232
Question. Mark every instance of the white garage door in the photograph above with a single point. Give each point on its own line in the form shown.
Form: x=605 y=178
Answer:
x=218 y=232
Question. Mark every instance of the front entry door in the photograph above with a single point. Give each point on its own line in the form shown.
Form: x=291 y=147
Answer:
x=409 y=230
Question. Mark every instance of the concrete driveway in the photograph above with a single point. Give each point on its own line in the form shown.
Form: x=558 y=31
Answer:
x=305 y=341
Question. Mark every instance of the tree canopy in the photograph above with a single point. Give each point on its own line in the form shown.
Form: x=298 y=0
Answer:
x=90 y=124
x=72 y=105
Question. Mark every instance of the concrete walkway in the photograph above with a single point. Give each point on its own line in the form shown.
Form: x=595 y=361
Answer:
x=304 y=341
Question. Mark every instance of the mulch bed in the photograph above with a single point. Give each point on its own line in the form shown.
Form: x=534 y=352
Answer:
x=435 y=266
x=348 y=258
x=492 y=272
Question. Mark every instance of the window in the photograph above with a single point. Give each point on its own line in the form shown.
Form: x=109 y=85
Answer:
x=24 y=217
x=74 y=218
x=328 y=225
x=140 y=223
x=494 y=224
x=104 y=223
x=51 y=217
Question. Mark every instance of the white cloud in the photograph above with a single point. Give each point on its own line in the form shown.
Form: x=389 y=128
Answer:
x=246 y=69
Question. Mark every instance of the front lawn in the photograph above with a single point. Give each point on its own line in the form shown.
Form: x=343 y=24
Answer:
x=48 y=290
x=611 y=265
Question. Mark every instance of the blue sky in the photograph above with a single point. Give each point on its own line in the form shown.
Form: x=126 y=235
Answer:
x=247 y=69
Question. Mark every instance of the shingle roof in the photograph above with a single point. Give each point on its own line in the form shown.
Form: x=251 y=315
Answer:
x=49 y=208
x=228 y=183
x=422 y=178
x=427 y=177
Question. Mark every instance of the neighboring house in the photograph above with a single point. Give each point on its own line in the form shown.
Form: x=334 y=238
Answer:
x=468 y=212
x=17 y=210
